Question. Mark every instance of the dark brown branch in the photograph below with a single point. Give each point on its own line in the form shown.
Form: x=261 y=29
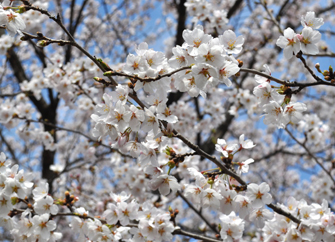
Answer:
x=299 y=56
x=194 y=236
x=234 y=8
x=147 y=79
x=282 y=212
x=209 y=157
x=198 y=213
x=287 y=83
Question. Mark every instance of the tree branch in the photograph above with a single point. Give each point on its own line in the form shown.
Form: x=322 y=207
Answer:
x=198 y=213
x=311 y=155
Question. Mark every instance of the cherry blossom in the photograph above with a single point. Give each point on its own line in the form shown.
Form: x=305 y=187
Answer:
x=232 y=44
x=289 y=42
x=308 y=39
x=122 y=125
x=311 y=21
x=258 y=194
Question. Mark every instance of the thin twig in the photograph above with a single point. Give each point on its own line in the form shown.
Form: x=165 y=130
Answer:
x=197 y=212
x=146 y=79
x=311 y=155
x=272 y=17
x=299 y=56
x=287 y=83
x=284 y=213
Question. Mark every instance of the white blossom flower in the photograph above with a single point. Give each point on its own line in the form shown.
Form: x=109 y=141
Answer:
x=164 y=183
x=14 y=188
x=227 y=201
x=43 y=226
x=274 y=114
x=120 y=93
x=148 y=229
x=5 y=204
x=242 y=204
x=4 y=163
x=137 y=117
x=258 y=194
x=293 y=112
x=227 y=69
x=289 y=42
x=41 y=190
x=211 y=199
x=231 y=44
x=151 y=121
x=179 y=58
x=246 y=144
x=209 y=54
x=203 y=74
x=311 y=21
x=164 y=113
x=111 y=214
x=232 y=227
x=308 y=39
x=194 y=38
x=119 y=116
x=194 y=192
x=45 y=205
x=127 y=211
x=259 y=216
x=243 y=167
x=225 y=149
x=13 y=21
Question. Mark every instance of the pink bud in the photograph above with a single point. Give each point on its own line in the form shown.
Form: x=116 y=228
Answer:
x=300 y=37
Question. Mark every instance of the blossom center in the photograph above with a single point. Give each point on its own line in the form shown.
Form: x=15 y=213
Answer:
x=231 y=44
x=259 y=195
x=11 y=17
x=209 y=57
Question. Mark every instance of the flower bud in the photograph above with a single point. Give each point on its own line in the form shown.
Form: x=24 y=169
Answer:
x=21 y=9
x=210 y=181
x=169 y=151
x=98 y=79
x=325 y=73
x=42 y=43
x=108 y=73
x=317 y=66
x=240 y=63
x=171 y=164
x=131 y=85
x=300 y=37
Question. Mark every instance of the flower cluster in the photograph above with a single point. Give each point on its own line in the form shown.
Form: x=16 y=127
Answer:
x=221 y=197
x=317 y=223
x=138 y=147
x=202 y=10
x=12 y=20
x=210 y=58
x=33 y=224
x=292 y=43
x=279 y=111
